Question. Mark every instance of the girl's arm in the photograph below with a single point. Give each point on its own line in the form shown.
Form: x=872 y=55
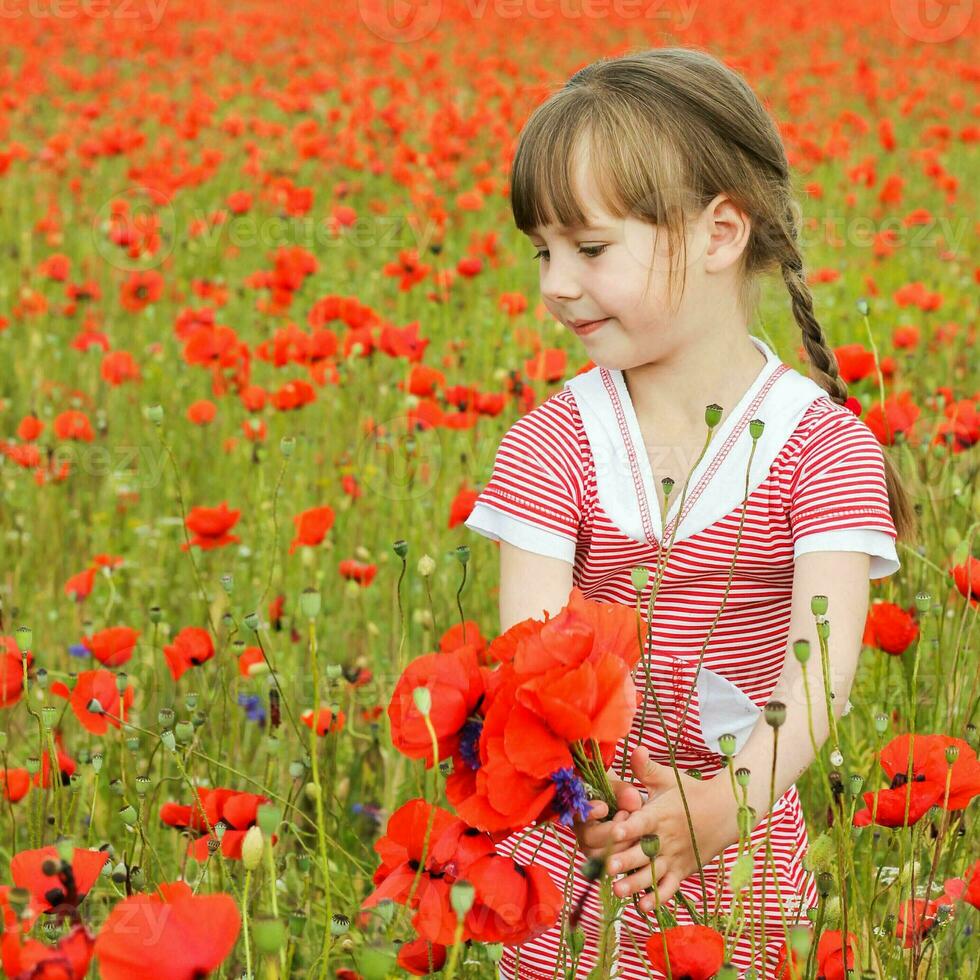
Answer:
x=841 y=576
x=529 y=584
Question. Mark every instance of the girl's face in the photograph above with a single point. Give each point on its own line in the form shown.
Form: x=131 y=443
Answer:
x=601 y=272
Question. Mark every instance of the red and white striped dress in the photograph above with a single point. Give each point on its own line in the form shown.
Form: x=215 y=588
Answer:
x=572 y=479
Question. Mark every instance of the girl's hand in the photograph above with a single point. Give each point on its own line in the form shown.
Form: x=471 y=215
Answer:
x=712 y=816
x=594 y=835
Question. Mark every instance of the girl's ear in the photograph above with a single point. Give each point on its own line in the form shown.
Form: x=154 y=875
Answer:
x=727 y=231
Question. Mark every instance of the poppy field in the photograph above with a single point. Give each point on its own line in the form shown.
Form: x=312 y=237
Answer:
x=264 y=318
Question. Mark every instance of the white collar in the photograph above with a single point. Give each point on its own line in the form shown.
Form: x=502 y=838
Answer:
x=624 y=479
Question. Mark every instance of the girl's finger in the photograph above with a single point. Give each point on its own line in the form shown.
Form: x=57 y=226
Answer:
x=666 y=889
x=640 y=879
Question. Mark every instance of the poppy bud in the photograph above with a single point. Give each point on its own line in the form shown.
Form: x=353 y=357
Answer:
x=862 y=307
x=775 y=713
x=577 y=940
x=400 y=547
x=818 y=605
x=800 y=940
x=712 y=415
x=286 y=446
x=462 y=554
x=836 y=756
x=640 y=576
x=832 y=912
x=24 y=637
x=426 y=566
x=741 y=873
x=756 y=428
x=155 y=414
x=375 y=963
x=461 y=896
x=269 y=934
x=309 y=603
x=422 y=697
x=253 y=845
x=801 y=650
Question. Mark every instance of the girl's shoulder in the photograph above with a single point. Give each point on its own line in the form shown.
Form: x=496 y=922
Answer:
x=552 y=430
x=826 y=431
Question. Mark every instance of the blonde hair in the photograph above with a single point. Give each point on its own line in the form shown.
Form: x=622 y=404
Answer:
x=668 y=129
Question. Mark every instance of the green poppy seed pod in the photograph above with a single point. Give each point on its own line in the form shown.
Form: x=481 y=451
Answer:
x=650 y=845
x=712 y=415
x=922 y=601
x=253 y=845
x=823 y=629
x=65 y=848
x=268 y=816
x=862 y=307
x=24 y=637
x=972 y=737
x=818 y=605
x=728 y=971
x=116 y=787
x=668 y=484
x=741 y=873
x=952 y=753
x=304 y=864
x=400 y=547
x=155 y=414
x=462 y=554
x=95 y=706
x=122 y=681
x=495 y=951
x=297 y=923
x=128 y=815
x=813 y=912
x=801 y=650
x=190 y=700
x=756 y=428
x=309 y=603
x=143 y=784
x=33 y=765
x=881 y=723
x=339 y=924
x=746 y=820
x=825 y=883
x=227 y=582
x=97 y=762
x=742 y=776
x=168 y=739
x=296 y=769
x=592 y=868
x=855 y=783
x=183 y=732
x=136 y=877
x=333 y=671
x=165 y=717
x=49 y=715
x=41 y=679
x=118 y=873
x=155 y=613
x=461 y=896
x=422 y=697
x=727 y=745
x=272 y=744
x=269 y=933
x=426 y=566
x=133 y=744
x=286 y=446
x=775 y=713
x=640 y=575
x=251 y=620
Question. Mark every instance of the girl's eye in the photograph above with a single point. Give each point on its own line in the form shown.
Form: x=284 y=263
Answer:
x=592 y=251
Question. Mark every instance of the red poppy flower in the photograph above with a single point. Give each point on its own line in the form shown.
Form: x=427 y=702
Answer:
x=250 y=657
x=112 y=647
x=693 y=952
x=73 y=425
x=202 y=412
x=356 y=571
x=12 y=671
x=61 y=890
x=965 y=889
x=94 y=694
x=326 y=720
x=889 y=628
x=66 y=765
x=312 y=526
x=103 y=560
x=915 y=918
x=237 y=811
x=192 y=647
x=967 y=579
x=68 y=960
x=15 y=784
x=829 y=958
x=898 y=417
x=456 y=687
x=420 y=957
x=466 y=633
x=118 y=367
x=79 y=586
x=928 y=783
x=210 y=526
x=140 y=289
x=30 y=428
x=854 y=362
x=174 y=935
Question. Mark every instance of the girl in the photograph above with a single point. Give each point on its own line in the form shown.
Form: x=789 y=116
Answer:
x=656 y=189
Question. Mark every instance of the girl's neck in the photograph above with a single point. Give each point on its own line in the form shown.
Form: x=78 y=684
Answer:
x=674 y=391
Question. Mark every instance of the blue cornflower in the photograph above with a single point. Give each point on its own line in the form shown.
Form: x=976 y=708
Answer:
x=78 y=650
x=469 y=743
x=252 y=704
x=570 y=800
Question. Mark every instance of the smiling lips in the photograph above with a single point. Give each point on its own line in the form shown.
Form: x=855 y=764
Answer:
x=584 y=327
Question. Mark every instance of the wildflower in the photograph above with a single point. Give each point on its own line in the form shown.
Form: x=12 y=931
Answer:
x=312 y=526
x=210 y=527
x=112 y=647
x=96 y=700
x=695 y=952
x=192 y=647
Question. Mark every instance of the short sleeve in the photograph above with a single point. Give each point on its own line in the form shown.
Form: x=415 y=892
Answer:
x=534 y=497
x=838 y=494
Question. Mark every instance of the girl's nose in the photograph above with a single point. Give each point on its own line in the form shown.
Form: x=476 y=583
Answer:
x=558 y=284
